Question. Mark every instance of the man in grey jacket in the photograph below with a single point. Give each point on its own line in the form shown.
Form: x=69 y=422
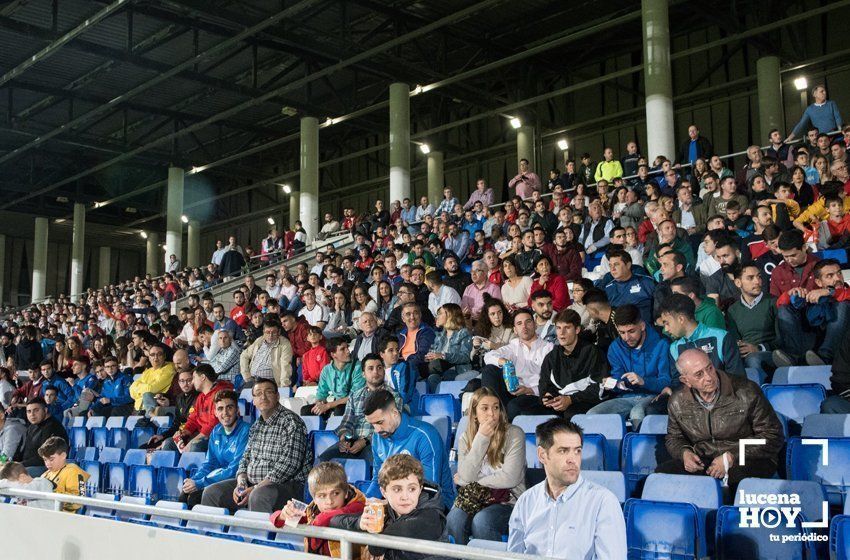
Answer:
x=12 y=432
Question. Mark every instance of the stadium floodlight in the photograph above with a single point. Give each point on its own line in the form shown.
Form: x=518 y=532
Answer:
x=184 y=218
x=562 y=144
x=801 y=83
x=516 y=122
x=425 y=148
x=286 y=188
x=271 y=221
x=144 y=234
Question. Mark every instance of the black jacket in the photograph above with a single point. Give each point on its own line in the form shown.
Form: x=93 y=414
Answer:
x=231 y=263
x=28 y=353
x=426 y=522
x=458 y=282
x=585 y=366
x=704 y=149
x=36 y=435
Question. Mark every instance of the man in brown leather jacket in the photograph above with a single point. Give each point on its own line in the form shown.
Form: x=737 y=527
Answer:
x=710 y=414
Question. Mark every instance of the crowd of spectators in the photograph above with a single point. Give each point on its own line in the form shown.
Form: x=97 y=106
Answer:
x=627 y=286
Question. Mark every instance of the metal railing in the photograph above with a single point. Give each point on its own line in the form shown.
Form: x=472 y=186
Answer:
x=345 y=538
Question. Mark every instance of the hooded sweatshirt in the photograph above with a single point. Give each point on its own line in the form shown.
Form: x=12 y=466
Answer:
x=202 y=416
x=426 y=522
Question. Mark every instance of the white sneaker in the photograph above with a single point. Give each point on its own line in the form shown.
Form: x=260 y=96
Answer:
x=813 y=359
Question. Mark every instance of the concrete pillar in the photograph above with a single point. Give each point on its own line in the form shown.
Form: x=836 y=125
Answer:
x=2 y=269
x=525 y=148
x=658 y=82
x=309 y=206
x=193 y=242
x=294 y=208
x=78 y=249
x=39 y=260
x=436 y=179
x=153 y=254
x=399 y=143
x=769 y=96
x=105 y=268
x=173 y=215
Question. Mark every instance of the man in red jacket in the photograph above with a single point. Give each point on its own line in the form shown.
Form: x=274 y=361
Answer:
x=296 y=328
x=194 y=434
x=241 y=312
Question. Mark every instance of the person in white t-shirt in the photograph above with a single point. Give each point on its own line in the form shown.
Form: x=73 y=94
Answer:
x=315 y=313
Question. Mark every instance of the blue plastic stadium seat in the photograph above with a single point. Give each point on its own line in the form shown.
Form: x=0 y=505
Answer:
x=78 y=422
x=756 y=375
x=164 y=459
x=839 y=537
x=140 y=436
x=118 y=437
x=95 y=422
x=654 y=424
x=93 y=484
x=115 y=422
x=488 y=545
x=99 y=437
x=612 y=480
x=205 y=527
x=313 y=423
x=115 y=475
x=78 y=438
x=701 y=491
x=246 y=395
x=421 y=387
x=104 y=512
x=162 y=423
x=361 y=485
x=191 y=460
x=531 y=460
x=594 y=452
x=734 y=542
x=110 y=455
x=169 y=481
x=641 y=455
x=256 y=536
x=284 y=392
x=333 y=422
x=322 y=440
x=166 y=521
x=451 y=387
x=141 y=481
x=826 y=425
x=443 y=424
x=87 y=454
x=795 y=401
x=355 y=469
x=128 y=516
x=131 y=421
x=462 y=424
x=805 y=462
x=529 y=422
x=838 y=254
x=135 y=457
x=662 y=530
x=612 y=426
x=796 y=375
x=440 y=405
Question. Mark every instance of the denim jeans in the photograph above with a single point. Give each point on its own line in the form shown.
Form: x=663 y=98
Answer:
x=762 y=361
x=835 y=405
x=835 y=331
x=630 y=407
x=798 y=337
x=149 y=402
x=490 y=523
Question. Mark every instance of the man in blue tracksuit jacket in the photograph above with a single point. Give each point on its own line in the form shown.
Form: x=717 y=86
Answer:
x=226 y=446
x=396 y=432
x=114 y=399
x=65 y=396
x=640 y=364
x=677 y=317
x=627 y=288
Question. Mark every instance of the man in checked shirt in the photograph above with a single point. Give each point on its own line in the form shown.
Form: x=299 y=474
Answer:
x=276 y=461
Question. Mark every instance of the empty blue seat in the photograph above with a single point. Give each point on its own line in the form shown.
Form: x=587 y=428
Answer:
x=204 y=527
x=191 y=460
x=95 y=422
x=131 y=421
x=443 y=424
x=612 y=426
x=612 y=480
x=164 y=520
x=322 y=440
x=701 y=491
x=257 y=536
x=169 y=479
x=78 y=437
x=87 y=454
x=362 y=485
x=594 y=451
x=451 y=387
x=529 y=422
x=129 y=516
x=164 y=459
x=355 y=469
x=135 y=457
x=162 y=423
x=796 y=375
x=118 y=437
x=826 y=425
x=99 y=437
x=421 y=387
x=284 y=392
x=839 y=537
x=93 y=483
x=333 y=422
x=97 y=511
x=115 y=478
x=805 y=462
x=641 y=455
x=734 y=541
x=78 y=422
x=488 y=545
x=654 y=424
x=439 y=405
x=140 y=436
x=141 y=481
x=795 y=401
x=115 y=422
x=110 y=455
x=313 y=423
x=662 y=530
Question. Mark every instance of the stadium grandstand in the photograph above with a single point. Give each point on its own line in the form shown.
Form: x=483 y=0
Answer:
x=401 y=280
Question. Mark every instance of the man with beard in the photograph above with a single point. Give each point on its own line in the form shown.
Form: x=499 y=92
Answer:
x=455 y=278
x=626 y=287
x=754 y=245
x=541 y=303
x=720 y=286
x=565 y=258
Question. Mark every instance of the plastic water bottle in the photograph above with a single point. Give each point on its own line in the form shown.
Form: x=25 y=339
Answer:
x=509 y=374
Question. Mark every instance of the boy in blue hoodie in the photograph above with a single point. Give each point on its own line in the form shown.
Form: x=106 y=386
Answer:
x=114 y=398
x=640 y=368
x=400 y=377
x=226 y=446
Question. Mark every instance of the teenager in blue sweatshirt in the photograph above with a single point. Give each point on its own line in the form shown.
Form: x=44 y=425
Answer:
x=640 y=365
x=226 y=446
x=114 y=399
x=400 y=377
x=65 y=396
x=396 y=432
x=627 y=288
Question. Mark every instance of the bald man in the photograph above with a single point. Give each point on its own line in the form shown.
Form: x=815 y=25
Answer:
x=708 y=416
